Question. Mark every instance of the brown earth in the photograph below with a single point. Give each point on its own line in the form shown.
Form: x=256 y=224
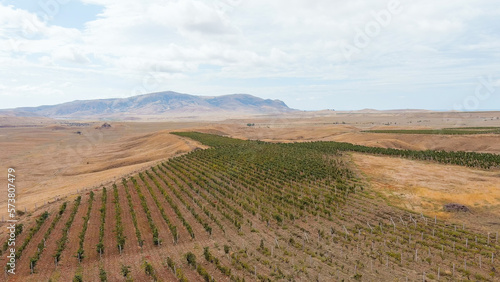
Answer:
x=181 y=229
x=52 y=160
x=32 y=245
x=163 y=230
x=142 y=221
x=46 y=257
x=69 y=260
x=92 y=234
x=349 y=127
x=426 y=187
x=53 y=163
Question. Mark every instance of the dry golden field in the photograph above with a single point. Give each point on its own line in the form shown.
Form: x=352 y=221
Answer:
x=52 y=160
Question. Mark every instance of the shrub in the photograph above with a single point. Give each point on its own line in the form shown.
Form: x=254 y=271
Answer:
x=125 y=270
x=78 y=278
x=150 y=271
x=191 y=259
x=103 y=275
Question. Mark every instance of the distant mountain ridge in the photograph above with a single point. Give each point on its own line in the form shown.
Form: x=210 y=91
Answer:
x=164 y=104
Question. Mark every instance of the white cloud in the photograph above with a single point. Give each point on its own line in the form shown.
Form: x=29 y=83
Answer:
x=70 y=54
x=427 y=43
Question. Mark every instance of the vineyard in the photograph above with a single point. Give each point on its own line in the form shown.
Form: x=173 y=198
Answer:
x=444 y=131
x=252 y=211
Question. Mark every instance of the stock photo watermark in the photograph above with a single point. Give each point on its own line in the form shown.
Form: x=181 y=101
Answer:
x=11 y=221
x=485 y=88
x=226 y=6
x=152 y=80
x=47 y=10
x=75 y=153
x=372 y=29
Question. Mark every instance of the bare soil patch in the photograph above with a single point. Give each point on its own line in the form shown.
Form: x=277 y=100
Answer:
x=426 y=187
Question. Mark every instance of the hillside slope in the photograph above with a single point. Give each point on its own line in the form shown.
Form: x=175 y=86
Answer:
x=246 y=211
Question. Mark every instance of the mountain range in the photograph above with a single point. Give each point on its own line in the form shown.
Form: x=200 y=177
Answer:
x=160 y=105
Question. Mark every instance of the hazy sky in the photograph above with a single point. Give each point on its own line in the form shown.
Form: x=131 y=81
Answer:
x=312 y=54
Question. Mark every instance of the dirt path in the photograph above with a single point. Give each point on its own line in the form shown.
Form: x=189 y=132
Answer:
x=183 y=234
x=200 y=233
x=163 y=230
x=32 y=245
x=142 y=221
x=67 y=260
x=92 y=235
x=131 y=243
x=111 y=251
x=189 y=201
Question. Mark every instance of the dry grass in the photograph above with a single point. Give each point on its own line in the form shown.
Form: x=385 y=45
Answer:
x=54 y=161
x=347 y=127
x=426 y=187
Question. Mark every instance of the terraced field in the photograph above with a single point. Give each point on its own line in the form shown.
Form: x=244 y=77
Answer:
x=252 y=211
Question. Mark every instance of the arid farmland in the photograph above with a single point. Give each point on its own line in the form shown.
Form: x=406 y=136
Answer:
x=251 y=210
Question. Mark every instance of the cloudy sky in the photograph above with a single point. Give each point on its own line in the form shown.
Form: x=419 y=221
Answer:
x=312 y=54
